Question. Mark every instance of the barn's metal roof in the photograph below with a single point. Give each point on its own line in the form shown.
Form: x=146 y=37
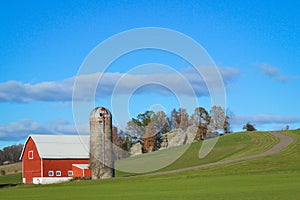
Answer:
x=61 y=146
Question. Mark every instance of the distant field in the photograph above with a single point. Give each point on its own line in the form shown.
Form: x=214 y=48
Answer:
x=11 y=168
x=265 y=178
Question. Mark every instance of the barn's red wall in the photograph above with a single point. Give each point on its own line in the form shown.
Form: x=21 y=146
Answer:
x=61 y=165
x=31 y=167
x=77 y=172
x=87 y=173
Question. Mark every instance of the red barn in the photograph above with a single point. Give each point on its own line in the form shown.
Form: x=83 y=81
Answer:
x=53 y=158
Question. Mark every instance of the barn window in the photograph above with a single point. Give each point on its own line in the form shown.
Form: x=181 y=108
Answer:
x=58 y=173
x=70 y=173
x=50 y=173
x=30 y=154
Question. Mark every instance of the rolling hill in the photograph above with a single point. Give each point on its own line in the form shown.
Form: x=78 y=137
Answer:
x=274 y=176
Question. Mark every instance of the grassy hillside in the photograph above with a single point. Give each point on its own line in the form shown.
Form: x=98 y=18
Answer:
x=267 y=178
x=14 y=168
x=228 y=147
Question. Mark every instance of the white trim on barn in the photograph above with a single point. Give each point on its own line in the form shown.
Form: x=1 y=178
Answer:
x=81 y=166
x=50 y=173
x=30 y=155
x=70 y=173
x=50 y=180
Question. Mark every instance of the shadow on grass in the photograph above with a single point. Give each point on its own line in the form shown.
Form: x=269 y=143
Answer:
x=8 y=185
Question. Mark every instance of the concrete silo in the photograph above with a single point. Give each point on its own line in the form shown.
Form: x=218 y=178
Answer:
x=101 y=145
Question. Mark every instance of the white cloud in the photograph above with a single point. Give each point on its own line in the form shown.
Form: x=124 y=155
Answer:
x=61 y=91
x=21 y=129
x=268 y=70
x=274 y=73
x=13 y=91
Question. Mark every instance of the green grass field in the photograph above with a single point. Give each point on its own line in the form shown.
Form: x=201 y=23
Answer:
x=228 y=147
x=11 y=179
x=275 y=176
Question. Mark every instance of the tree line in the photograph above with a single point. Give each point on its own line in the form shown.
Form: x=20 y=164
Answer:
x=147 y=128
x=10 y=154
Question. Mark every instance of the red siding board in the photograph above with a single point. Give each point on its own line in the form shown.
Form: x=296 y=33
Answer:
x=87 y=173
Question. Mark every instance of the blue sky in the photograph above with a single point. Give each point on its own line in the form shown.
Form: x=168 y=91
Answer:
x=43 y=44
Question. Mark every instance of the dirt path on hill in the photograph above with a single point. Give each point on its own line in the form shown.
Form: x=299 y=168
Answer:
x=283 y=143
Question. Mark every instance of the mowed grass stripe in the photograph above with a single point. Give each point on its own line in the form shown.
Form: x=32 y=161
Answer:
x=287 y=160
x=261 y=141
